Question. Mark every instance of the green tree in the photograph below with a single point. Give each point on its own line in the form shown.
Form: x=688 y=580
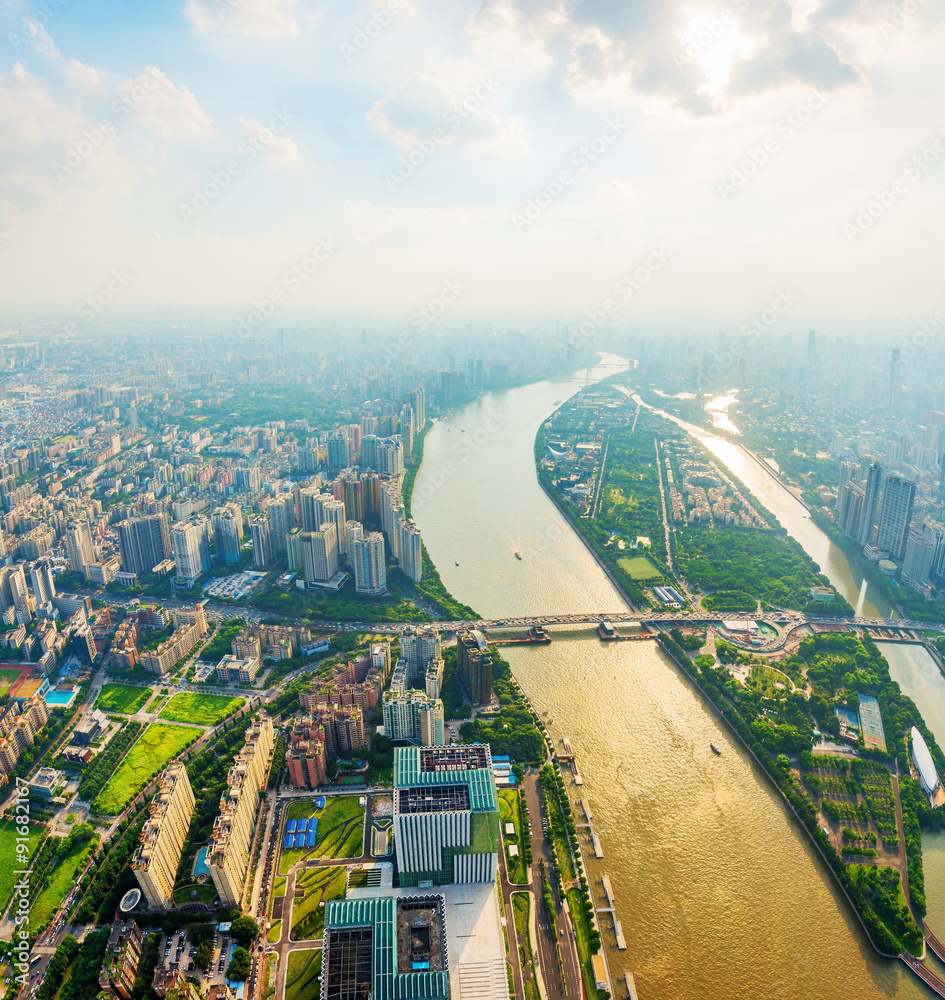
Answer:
x=244 y=930
x=238 y=969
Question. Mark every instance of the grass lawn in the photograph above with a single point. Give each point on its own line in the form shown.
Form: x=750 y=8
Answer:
x=154 y=748
x=205 y=893
x=583 y=932
x=9 y=859
x=638 y=568
x=340 y=830
x=203 y=709
x=61 y=879
x=302 y=975
x=7 y=677
x=122 y=698
x=319 y=885
x=508 y=813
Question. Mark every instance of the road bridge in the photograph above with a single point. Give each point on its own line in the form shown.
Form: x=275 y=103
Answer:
x=591 y=619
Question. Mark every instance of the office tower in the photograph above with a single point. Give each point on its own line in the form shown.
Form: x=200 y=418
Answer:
x=185 y=543
x=920 y=553
x=79 y=550
x=418 y=403
x=895 y=380
x=43 y=581
x=262 y=546
x=898 y=498
x=353 y=498
x=122 y=958
x=850 y=509
x=310 y=507
x=848 y=474
x=333 y=511
x=474 y=666
x=368 y=458
x=407 y=432
x=144 y=542
x=320 y=554
x=228 y=534
x=339 y=452
x=417 y=647
x=247 y=478
x=874 y=476
x=446 y=815
x=414 y=718
x=229 y=852
x=162 y=838
x=367 y=558
x=411 y=551
x=281 y=515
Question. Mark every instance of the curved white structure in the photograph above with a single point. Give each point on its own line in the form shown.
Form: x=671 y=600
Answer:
x=923 y=763
x=130 y=900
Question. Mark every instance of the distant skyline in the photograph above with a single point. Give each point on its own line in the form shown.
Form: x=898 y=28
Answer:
x=662 y=164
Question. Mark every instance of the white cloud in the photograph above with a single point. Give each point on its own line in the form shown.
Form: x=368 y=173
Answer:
x=278 y=149
x=249 y=18
x=171 y=112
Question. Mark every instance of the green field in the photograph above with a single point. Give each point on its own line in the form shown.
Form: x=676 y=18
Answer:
x=7 y=677
x=638 y=568
x=301 y=978
x=340 y=830
x=203 y=709
x=318 y=885
x=154 y=748
x=9 y=859
x=508 y=813
x=122 y=698
x=62 y=877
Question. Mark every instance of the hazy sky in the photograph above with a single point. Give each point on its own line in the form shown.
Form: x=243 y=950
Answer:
x=635 y=157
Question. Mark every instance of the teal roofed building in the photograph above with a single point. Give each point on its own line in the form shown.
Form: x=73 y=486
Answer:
x=385 y=949
x=446 y=815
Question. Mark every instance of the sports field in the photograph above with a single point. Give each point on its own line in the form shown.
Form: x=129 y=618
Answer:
x=122 y=698
x=203 y=709
x=638 y=568
x=154 y=748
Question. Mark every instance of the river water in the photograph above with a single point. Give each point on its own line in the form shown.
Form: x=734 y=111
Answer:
x=718 y=889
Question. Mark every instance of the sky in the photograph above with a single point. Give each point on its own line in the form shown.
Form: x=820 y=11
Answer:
x=632 y=161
